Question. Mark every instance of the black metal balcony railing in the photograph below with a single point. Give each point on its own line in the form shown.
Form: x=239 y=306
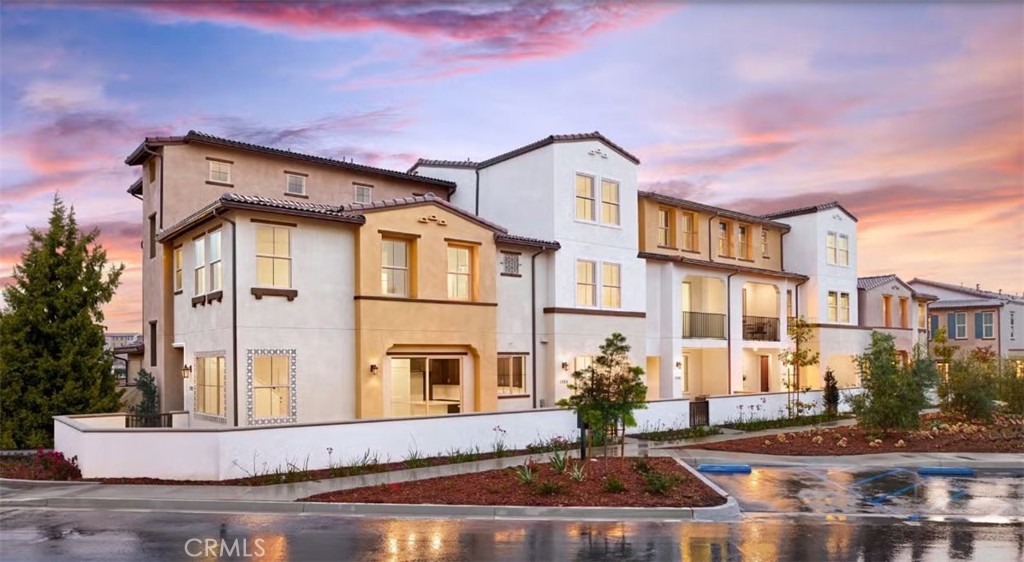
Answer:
x=760 y=328
x=703 y=325
x=147 y=420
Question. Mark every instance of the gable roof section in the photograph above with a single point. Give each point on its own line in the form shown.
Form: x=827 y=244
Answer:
x=256 y=203
x=686 y=203
x=550 y=139
x=464 y=164
x=526 y=241
x=140 y=154
x=968 y=291
x=428 y=199
x=810 y=210
x=873 y=281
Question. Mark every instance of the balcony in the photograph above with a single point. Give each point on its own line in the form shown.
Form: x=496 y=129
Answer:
x=760 y=328
x=703 y=325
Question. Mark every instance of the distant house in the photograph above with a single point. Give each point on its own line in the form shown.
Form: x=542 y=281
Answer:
x=974 y=318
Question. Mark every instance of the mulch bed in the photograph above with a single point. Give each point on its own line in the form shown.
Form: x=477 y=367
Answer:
x=500 y=487
x=938 y=434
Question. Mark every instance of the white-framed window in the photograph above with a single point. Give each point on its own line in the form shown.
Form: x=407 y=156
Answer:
x=394 y=267
x=745 y=242
x=271 y=386
x=833 y=306
x=844 y=308
x=216 y=267
x=581 y=362
x=830 y=248
x=586 y=283
x=843 y=249
x=922 y=315
x=764 y=242
x=364 y=193
x=179 y=276
x=510 y=264
x=988 y=326
x=664 y=227
x=689 y=232
x=789 y=303
x=295 y=184
x=209 y=393
x=220 y=172
x=611 y=285
x=584 y=198
x=511 y=374
x=685 y=374
x=960 y=325
x=724 y=238
x=199 y=260
x=273 y=256
x=609 y=202
x=460 y=272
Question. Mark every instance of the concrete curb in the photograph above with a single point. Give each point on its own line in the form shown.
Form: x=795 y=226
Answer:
x=728 y=511
x=18 y=483
x=1002 y=461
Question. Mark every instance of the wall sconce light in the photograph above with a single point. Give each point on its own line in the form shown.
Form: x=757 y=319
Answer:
x=186 y=371
x=373 y=368
x=679 y=364
x=565 y=365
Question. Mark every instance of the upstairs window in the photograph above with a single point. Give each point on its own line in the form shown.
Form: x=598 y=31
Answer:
x=611 y=285
x=220 y=172
x=745 y=242
x=689 y=232
x=178 y=275
x=843 y=249
x=887 y=311
x=586 y=283
x=922 y=316
x=199 y=258
x=844 y=308
x=664 y=227
x=724 y=238
x=904 y=312
x=216 y=269
x=460 y=273
x=273 y=256
x=510 y=264
x=584 y=198
x=364 y=193
x=959 y=325
x=394 y=267
x=609 y=202
x=789 y=303
x=152 y=235
x=988 y=327
x=830 y=248
x=764 y=242
x=295 y=184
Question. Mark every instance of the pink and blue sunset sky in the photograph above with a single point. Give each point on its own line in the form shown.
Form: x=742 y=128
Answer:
x=911 y=115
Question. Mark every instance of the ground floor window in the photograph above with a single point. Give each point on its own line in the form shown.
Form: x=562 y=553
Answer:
x=685 y=368
x=209 y=391
x=512 y=374
x=425 y=386
x=271 y=386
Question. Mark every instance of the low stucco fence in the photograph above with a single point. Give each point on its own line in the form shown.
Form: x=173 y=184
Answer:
x=106 y=449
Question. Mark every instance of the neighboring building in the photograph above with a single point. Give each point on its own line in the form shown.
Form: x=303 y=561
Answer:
x=889 y=305
x=120 y=339
x=974 y=318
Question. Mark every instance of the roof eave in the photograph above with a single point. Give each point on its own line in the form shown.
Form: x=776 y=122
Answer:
x=695 y=206
x=722 y=266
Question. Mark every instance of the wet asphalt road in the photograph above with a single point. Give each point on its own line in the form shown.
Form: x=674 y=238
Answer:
x=109 y=536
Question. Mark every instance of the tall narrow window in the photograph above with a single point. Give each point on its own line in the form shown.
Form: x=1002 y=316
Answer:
x=959 y=325
x=210 y=397
x=394 y=267
x=584 y=198
x=364 y=193
x=273 y=256
x=843 y=250
x=689 y=232
x=922 y=316
x=830 y=248
x=833 y=306
x=745 y=242
x=988 y=328
x=611 y=289
x=460 y=273
x=152 y=344
x=199 y=260
x=904 y=312
x=724 y=239
x=220 y=172
x=152 y=235
x=686 y=373
x=586 y=283
x=764 y=242
x=512 y=374
x=844 y=308
x=664 y=227
x=609 y=202
x=216 y=268
x=887 y=310
x=178 y=275
x=789 y=303
x=271 y=391
x=295 y=184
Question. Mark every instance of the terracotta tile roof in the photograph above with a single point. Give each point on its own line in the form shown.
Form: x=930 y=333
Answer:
x=809 y=210
x=873 y=281
x=969 y=291
x=526 y=241
x=550 y=139
x=316 y=208
x=140 y=154
x=719 y=265
x=669 y=200
x=136 y=187
x=137 y=348
x=965 y=303
x=428 y=199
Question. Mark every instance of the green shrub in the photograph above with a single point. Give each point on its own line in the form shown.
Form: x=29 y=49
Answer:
x=558 y=462
x=894 y=394
x=577 y=473
x=613 y=485
x=659 y=483
x=969 y=389
x=524 y=473
x=550 y=488
x=1010 y=389
x=641 y=466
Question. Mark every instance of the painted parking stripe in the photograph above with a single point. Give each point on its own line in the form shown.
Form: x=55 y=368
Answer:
x=877 y=476
x=883 y=497
x=725 y=468
x=945 y=471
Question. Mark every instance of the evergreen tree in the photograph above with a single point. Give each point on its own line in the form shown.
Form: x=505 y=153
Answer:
x=52 y=356
x=149 y=406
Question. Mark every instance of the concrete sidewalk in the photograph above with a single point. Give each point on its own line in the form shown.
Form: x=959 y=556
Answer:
x=981 y=461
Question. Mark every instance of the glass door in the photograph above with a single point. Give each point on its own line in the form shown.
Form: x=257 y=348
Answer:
x=422 y=386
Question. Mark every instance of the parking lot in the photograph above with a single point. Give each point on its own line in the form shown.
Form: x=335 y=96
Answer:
x=998 y=495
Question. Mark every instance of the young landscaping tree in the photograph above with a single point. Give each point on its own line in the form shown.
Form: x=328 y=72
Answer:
x=894 y=394
x=1010 y=386
x=52 y=357
x=800 y=356
x=605 y=393
x=830 y=394
x=149 y=406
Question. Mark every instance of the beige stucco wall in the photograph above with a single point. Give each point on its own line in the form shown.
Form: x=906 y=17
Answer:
x=427 y=320
x=707 y=246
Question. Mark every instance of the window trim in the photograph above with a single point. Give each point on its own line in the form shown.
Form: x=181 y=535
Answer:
x=178 y=253
x=667 y=228
x=958 y=324
x=594 y=284
x=729 y=239
x=355 y=193
x=274 y=257
x=210 y=171
x=513 y=391
x=406 y=242
x=470 y=263
x=991 y=325
x=618 y=288
x=288 y=180
x=201 y=375
x=199 y=267
x=292 y=413
x=592 y=198
x=617 y=204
